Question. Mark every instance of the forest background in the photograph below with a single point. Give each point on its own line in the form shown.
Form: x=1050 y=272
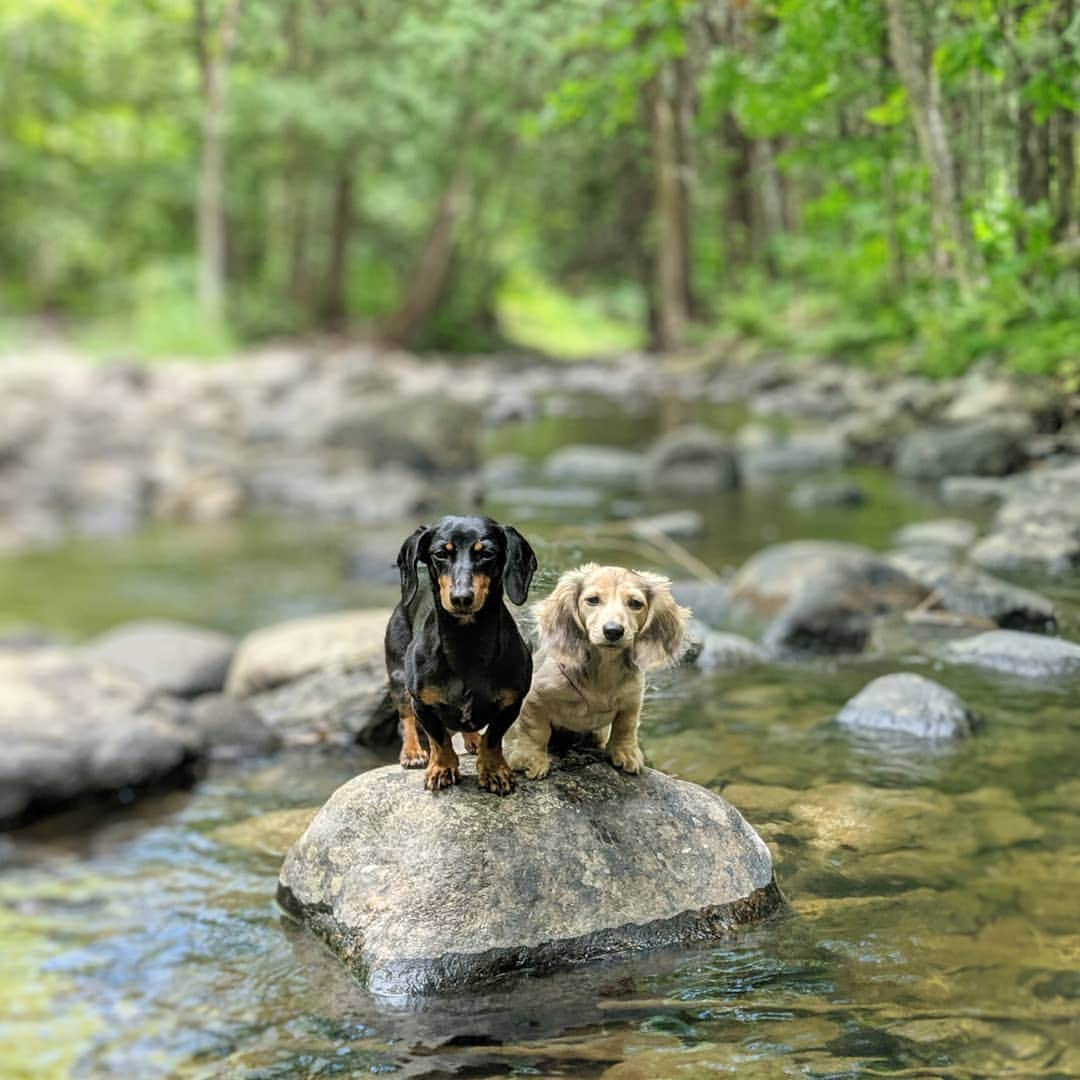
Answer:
x=893 y=183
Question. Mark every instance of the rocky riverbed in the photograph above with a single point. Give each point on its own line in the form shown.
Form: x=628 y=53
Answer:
x=891 y=709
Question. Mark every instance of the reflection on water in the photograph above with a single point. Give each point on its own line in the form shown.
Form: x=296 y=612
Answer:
x=933 y=926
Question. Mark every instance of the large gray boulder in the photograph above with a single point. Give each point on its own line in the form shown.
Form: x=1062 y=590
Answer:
x=908 y=704
x=319 y=679
x=74 y=729
x=1031 y=656
x=422 y=893
x=822 y=597
x=164 y=655
x=985 y=448
x=690 y=460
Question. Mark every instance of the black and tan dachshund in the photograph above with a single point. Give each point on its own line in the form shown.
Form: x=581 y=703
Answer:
x=453 y=652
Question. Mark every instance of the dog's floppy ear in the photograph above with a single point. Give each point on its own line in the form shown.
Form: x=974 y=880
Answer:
x=561 y=629
x=663 y=637
x=414 y=550
x=520 y=565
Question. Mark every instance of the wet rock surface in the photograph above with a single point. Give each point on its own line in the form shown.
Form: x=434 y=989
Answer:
x=908 y=704
x=73 y=730
x=425 y=894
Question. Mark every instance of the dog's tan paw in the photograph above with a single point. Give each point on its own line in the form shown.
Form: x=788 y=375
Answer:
x=472 y=741
x=628 y=758
x=413 y=758
x=440 y=776
x=534 y=766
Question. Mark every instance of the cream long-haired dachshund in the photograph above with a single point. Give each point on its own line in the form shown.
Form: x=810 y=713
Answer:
x=600 y=630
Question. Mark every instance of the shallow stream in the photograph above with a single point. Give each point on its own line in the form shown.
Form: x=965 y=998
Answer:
x=933 y=929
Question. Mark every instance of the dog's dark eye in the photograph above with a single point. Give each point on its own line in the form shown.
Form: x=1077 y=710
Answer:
x=592 y=601
x=634 y=604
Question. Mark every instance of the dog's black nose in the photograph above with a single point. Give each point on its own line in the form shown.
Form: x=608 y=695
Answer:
x=462 y=600
x=613 y=631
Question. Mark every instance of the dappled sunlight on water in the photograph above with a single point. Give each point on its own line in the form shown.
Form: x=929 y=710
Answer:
x=933 y=925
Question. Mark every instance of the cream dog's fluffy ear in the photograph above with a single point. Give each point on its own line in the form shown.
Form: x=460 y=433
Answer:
x=662 y=639
x=561 y=630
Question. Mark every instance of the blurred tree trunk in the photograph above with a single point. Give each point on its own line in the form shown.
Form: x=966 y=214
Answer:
x=430 y=274
x=920 y=79
x=1065 y=193
x=670 y=286
x=341 y=222
x=296 y=208
x=684 y=147
x=214 y=47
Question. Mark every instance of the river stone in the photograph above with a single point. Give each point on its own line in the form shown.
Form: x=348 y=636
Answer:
x=708 y=600
x=824 y=597
x=164 y=655
x=963 y=590
x=607 y=466
x=771 y=578
x=908 y=704
x=1051 y=547
x=232 y=727
x=75 y=729
x=986 y=448
x=947 y=534
x=285 y=651
x=1016 y=653
x=826 y=495
x=422 y=893
x=715 y=650
x=690 y=460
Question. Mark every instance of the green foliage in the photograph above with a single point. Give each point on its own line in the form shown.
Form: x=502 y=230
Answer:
x=545 y=110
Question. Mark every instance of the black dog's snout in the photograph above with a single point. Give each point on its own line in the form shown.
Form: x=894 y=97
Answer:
x=462 y=599
x=613 y=631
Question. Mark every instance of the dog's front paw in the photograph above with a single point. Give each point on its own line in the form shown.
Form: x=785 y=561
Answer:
x=413 y=757
x=440 y=776
x=535 y=766
x=628 y=758
x=494 y=776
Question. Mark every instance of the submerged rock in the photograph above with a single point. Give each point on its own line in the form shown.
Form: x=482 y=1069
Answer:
x=420 y=893
x=986 y=448
x=1029 y=655
x=908 y=704
x=73 y=729
x=690 y=460
x=164 y=655
x=607 y=466
x=826 y=495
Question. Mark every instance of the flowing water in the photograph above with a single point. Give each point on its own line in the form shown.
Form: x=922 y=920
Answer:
x=933 y=925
